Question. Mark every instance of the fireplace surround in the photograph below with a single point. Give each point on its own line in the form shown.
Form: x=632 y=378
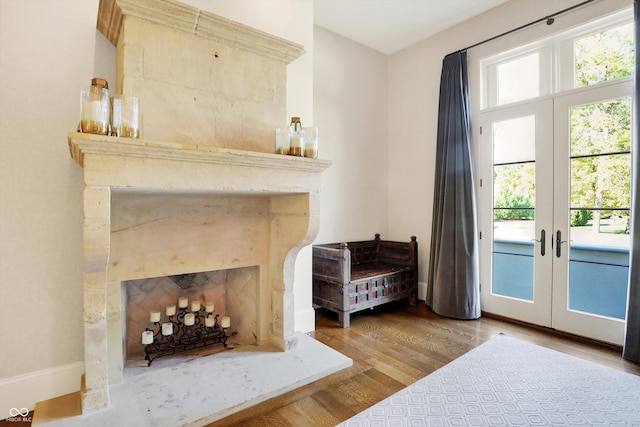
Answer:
x=202 y=191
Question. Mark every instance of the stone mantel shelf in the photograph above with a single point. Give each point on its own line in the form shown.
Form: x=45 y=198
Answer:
x=143 y=164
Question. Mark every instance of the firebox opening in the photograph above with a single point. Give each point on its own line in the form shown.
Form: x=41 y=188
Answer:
x=229 y=292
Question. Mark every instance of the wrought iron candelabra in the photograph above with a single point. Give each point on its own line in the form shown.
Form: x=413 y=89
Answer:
x=185 y=330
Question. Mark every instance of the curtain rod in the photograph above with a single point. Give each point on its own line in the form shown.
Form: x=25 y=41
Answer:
x=549 y=19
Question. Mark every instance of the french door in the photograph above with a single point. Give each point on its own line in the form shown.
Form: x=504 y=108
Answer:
x=516 y=214
x=554 y=211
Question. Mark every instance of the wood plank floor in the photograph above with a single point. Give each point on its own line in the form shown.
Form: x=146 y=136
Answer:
x=392 y=347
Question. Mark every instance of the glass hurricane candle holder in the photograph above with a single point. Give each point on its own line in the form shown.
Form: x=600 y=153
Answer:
x=95 y=108
x=125 y=116
x=310 y=141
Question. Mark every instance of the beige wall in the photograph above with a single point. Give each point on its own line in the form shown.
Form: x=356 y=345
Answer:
x=350 y=104
x=49 y=51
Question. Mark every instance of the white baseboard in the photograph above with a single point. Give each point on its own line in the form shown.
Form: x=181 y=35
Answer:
x=24 y=391
x=306 y=320
x=422 y=291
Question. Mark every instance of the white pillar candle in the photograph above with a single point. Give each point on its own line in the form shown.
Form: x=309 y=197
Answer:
x=189 y=319
x=296 y=147
x=225 y=322
x=295 y=141
x=92 y=111
x=183 y=302
x=171 y=310
x=167 y=328
x=209 y=307
x=209 y=321
x=147 y=337
x=195 y=305
x=154 y=316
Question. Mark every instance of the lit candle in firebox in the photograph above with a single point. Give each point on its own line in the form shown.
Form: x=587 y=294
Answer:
x=147 y=337
x=171 y=310
x=183 y=302
x=209 y=307
x=167 y=329
x=154 y=316
x=209 y=321
x=195 y=305
x=225 y=322
x=189 y=319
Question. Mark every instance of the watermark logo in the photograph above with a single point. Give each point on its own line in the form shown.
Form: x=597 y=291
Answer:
x=19 y=415
x=14 y=412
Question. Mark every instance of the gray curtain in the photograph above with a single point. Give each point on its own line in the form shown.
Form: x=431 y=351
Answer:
x=453 y=288
x=632 y=337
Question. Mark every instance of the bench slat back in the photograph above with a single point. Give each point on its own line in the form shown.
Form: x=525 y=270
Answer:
x=398 y=253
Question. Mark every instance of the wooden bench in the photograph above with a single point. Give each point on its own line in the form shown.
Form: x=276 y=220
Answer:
x=352 y=276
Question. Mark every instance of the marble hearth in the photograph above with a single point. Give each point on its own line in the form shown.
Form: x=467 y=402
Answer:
x=202 y=191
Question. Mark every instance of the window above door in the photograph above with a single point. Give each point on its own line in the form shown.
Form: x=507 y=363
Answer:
x=572 y=59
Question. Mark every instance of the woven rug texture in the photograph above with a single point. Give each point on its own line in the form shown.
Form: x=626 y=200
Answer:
x=507 y=382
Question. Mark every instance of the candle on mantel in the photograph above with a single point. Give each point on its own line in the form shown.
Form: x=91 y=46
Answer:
x=209 y=307
x=209 y=321
x=195 y=305
x=189 y=319
x=225 y=322
x=295 y=144
x=154 y=316
x=171 y=310
x=183 y=302
x=147 y=337
x=167 y=328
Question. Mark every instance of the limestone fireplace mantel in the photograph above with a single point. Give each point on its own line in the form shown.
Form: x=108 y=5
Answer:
x=182 y=173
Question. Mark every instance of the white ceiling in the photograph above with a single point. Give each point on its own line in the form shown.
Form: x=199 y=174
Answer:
x=391 y=25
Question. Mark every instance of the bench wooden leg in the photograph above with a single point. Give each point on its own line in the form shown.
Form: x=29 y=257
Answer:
x=344 y=318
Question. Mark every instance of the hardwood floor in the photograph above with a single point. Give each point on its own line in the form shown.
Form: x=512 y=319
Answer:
x=392 y=347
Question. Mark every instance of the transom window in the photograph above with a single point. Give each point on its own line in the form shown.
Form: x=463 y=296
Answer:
x=590 y=55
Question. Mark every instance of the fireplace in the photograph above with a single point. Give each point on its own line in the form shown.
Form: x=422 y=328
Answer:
x=175 y=224
x=202 y=191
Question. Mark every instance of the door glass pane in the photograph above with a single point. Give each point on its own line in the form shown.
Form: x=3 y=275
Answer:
x=514 y=140
x=600 y=200
x=604 y=56
x=519 y=79
x=514 y=207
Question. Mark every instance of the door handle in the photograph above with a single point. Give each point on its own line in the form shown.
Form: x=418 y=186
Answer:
x=559 y=243
x=542 y=241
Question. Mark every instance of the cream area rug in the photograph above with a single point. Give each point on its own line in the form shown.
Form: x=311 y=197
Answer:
x=506 y=382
